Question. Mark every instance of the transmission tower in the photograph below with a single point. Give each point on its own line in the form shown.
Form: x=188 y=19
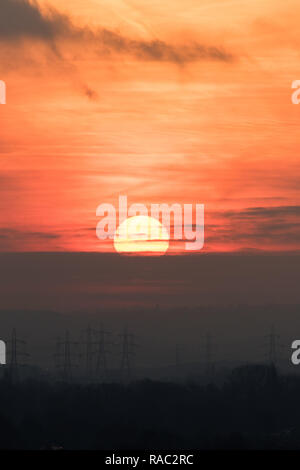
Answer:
x=273 y=346
x=64 y=352
x=14 y=354
x=128 y=350
x=101 y=353
x=89 y=351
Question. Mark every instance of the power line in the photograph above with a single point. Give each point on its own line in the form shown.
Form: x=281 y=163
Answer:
x=64 y=352
x=273 y=346
x=89 y=351
x=101 y=353
x=14 y=354
x=128 y=350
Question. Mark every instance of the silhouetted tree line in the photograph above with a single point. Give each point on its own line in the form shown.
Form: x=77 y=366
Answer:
x=255 y=408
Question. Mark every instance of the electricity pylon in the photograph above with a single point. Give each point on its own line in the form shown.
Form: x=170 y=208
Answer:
x=89 y=352
x=273 y=347
x=14 y=354
x=64 y=352
x=101 y=352
x=128 y=350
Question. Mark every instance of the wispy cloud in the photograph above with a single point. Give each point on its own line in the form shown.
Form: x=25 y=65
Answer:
x=14 y=234
x=265 y=212
x=261 y=227
x=24 y=19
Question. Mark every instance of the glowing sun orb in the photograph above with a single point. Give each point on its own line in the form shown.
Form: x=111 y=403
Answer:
x=141 y=234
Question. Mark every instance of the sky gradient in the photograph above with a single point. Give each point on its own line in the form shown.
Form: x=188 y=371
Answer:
x=176 y=102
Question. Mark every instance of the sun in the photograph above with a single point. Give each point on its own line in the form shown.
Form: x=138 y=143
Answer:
x=141 y=234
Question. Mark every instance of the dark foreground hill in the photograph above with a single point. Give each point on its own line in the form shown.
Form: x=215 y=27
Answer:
x=255 y=408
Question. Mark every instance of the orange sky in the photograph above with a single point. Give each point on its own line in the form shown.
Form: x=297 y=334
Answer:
x=95 y=108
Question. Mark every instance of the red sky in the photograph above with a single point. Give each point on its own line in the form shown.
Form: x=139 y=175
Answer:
x=177 y=102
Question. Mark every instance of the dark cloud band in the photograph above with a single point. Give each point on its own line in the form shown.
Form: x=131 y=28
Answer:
x=21 y=19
